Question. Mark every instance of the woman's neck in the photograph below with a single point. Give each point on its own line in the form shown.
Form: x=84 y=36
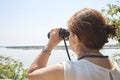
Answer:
x=87 y=51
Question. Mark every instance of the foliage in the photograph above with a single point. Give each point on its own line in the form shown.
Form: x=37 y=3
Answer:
x=12 y=69
x=113 y=16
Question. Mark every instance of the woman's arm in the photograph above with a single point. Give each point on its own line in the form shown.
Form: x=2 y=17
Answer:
x=39 y=62
x=38 y=69
x=54 y=72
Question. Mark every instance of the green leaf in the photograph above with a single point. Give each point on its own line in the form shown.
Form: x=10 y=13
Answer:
x=12 y=69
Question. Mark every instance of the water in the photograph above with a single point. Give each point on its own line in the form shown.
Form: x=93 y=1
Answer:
x=27 y=56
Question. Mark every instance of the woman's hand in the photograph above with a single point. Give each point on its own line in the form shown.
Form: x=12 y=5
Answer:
x=54 y=39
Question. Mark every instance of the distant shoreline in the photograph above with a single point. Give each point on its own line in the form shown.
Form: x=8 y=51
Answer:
x=56 y=48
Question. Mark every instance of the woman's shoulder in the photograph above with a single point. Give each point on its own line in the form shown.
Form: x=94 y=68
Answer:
x=116 y=67
x=116 y=71
x=83 y=63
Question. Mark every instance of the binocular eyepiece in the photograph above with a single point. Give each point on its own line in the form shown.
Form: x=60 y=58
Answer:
x=62 y=34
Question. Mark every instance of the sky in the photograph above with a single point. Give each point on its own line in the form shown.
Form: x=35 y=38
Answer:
x=27 y=22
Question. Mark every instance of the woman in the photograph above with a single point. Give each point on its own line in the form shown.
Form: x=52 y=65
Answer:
x=88 y=34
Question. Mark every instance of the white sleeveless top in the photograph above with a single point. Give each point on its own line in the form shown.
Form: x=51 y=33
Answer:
x=86 y=70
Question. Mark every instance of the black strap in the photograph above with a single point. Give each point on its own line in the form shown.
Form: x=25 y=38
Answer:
x=66 y=49
x=93 y=56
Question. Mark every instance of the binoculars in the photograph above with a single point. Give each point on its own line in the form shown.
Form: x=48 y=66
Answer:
x=62 y=34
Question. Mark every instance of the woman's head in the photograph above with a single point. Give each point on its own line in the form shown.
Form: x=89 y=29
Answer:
x=90 y=27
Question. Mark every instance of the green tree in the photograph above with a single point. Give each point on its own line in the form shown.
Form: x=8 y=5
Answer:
x=12 y=69
x=112 y=12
